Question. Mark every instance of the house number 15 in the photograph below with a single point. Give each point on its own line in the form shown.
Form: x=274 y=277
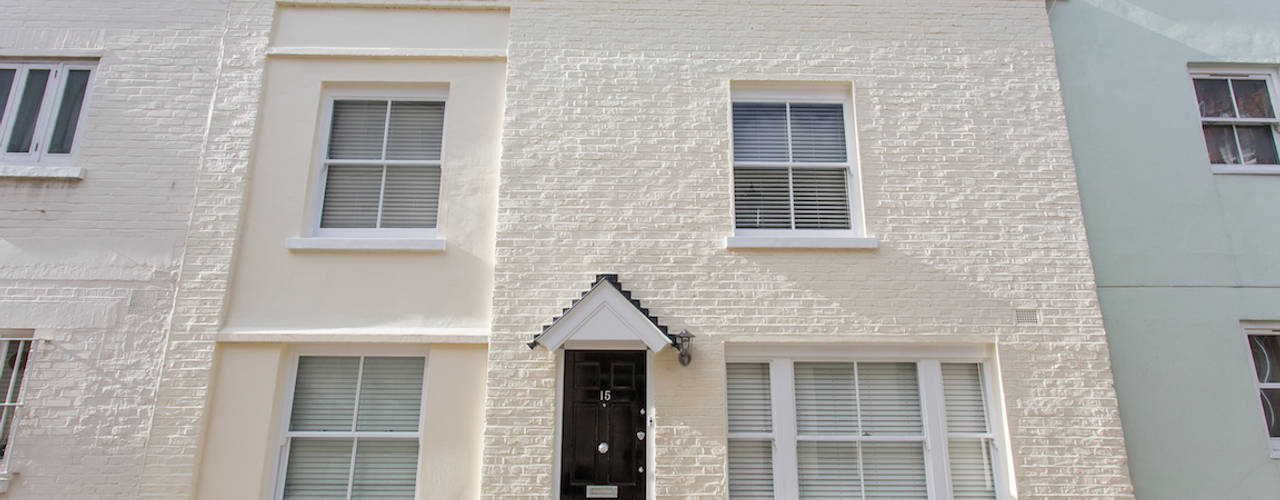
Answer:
x=606 y=395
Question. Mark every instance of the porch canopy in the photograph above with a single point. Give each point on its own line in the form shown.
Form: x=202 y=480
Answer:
x=605 y=317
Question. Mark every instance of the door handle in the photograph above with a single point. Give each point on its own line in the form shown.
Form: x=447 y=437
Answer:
x=603 y=448
x=640 y=435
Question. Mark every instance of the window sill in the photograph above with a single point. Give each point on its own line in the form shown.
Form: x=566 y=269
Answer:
x=1246 y=170
x=801 y=242
x=325 y=244
x=34 y=172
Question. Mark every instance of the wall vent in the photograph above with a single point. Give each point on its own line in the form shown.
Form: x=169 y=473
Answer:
x=1026 y=316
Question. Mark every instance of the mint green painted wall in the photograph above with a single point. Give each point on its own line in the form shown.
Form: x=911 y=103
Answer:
x=1181 y=255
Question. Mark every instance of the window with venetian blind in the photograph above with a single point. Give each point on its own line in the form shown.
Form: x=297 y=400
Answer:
x=859 y=430
x=354 y=428
x=41 y=105
x=791 y=167
x=382 y=168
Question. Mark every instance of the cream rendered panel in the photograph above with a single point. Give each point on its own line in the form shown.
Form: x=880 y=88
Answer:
x=238 y=458
x=275 y=289
x=453 y=425
x=396 y=28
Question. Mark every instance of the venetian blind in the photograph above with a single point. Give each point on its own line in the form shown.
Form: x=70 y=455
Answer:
x=391 y=394
x=380 y=397
x=749 y=400
x=969 y=447
x=750 y=411
x=383 y=164
x=770 y=190
x=750 y=469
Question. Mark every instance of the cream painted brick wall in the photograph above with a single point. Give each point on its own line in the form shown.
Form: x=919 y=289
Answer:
x=91 y=265
x=616 y=160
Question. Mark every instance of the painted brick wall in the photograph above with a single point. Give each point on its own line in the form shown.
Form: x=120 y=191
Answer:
x=91 y=265
x=616 y=160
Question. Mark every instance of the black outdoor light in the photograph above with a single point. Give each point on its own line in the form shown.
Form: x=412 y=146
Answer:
x=684 y=346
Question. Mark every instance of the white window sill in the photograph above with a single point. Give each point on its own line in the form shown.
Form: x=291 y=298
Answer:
x=1246 y=169
x=325 y=244
x=866 y=243
x=34 y=172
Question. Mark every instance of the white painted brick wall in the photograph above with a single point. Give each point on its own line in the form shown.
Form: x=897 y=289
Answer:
x=616 y=159
x=92 y=264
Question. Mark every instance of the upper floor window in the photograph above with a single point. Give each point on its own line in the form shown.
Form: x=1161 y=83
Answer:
x=1238 y=116
x=41 y=105
x=792 y=163
x=381 y=167
x=861 y=429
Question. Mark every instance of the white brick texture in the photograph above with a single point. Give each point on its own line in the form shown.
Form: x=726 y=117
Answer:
x=616 y=160
x=91 y=265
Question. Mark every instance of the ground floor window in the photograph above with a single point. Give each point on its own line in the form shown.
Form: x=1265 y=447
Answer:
x=354 y=428
x=14 y=355
x=827 y=429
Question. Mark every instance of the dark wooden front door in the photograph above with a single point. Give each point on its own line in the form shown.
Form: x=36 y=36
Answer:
x=604 y=422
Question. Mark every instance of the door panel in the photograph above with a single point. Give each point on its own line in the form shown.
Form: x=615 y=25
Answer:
x=604 y=403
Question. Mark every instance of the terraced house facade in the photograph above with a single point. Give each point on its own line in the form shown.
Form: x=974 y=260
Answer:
x=568 y=249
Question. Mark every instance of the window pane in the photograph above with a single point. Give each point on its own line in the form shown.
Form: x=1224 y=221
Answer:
x=412 y=197
x=415 y=130
x=357 y=130
x=1253 y=99
x=962 y=389
x=351 y=196
x=6 y=84
x=750 y=469
x=1215 y=98
x=12 y=372
x=24 y=123
x=1270 y=407
x=750 y=402
x=825 y=399
x=1257 y=144
x=1266 y=357
x=821 y=198
x=890 y=399
x=761 y=198
x=828 y=470
x=318 y=469
x=817 y=133
x=760 y=131
x=894 y=470
x=390 y=394
x=64 y=129
x=1222 y=144
x=971 y=474
x=385 y=469
x=324 y=395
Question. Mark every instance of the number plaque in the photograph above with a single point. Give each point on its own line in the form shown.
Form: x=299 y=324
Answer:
x=600 y=491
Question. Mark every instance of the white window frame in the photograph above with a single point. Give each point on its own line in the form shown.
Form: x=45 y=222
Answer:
x=1226 y=73
x=433 y=93
x=290 y=380
x=804 y=93
x=1268 y=328
x=929 y=360
x=49 y=108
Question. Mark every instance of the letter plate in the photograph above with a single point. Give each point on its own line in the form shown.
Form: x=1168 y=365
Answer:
x=596 y=491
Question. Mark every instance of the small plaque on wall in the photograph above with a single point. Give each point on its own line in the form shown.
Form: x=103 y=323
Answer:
x=598 y=491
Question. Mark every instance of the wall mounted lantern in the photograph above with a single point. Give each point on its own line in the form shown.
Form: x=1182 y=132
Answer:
x=684 y=345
